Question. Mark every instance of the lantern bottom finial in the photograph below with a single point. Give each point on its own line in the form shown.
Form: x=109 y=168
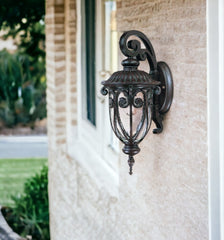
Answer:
x=131 y=162
x=131 y=150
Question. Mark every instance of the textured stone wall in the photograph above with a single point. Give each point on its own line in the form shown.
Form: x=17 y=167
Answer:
x=166 y=198
x=169 y=191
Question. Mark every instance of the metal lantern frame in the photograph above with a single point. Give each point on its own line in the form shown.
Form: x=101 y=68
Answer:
x=131 y=88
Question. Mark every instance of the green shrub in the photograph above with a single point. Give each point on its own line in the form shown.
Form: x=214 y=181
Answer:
x=30 y=216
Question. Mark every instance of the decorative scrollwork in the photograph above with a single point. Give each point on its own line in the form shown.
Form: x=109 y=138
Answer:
x=132 y=48
x=137 y=52
x=123 y=102
x=138 y=103
x=104 y=91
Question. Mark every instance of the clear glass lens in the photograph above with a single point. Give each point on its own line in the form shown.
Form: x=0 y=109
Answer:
x=130 y=114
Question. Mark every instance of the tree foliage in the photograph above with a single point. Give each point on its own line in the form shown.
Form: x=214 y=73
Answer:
x=22 y=74
x=22 y=89
x=24 y=18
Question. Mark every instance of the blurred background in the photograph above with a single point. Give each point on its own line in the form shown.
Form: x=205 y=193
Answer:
x=23 y=118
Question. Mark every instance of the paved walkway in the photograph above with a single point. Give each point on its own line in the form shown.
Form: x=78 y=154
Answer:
x=23 y=146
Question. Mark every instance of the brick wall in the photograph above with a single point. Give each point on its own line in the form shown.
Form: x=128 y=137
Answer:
x=61 y=106
x=166 y=198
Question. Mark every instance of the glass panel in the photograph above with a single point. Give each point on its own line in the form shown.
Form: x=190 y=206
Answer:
x=110 y=37
x=110 y=48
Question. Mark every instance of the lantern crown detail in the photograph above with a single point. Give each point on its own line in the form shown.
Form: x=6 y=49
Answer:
x=130 y=75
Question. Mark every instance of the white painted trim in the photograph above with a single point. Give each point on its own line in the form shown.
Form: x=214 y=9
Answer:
x=104 y=176
x=221 y=112
x=215 y=91
x=86 y=143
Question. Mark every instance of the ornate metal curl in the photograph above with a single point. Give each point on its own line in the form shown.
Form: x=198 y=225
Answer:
x=132 y=48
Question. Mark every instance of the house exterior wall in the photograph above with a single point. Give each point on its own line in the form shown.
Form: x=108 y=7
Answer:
x=169 y=186
x=167 y=196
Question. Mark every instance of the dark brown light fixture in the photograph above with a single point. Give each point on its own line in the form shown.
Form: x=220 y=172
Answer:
x=141 y=96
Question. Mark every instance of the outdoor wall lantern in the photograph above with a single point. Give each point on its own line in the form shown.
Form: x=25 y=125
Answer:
x=136 y=98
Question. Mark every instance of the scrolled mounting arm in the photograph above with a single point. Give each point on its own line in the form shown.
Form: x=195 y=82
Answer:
x=132 y=48
x=159 y=70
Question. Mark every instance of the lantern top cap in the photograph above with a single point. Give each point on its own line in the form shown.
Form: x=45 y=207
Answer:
x=130 y=64
x=131 y=76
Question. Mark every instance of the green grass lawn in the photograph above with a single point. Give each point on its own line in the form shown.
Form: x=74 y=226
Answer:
x=13 y=174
